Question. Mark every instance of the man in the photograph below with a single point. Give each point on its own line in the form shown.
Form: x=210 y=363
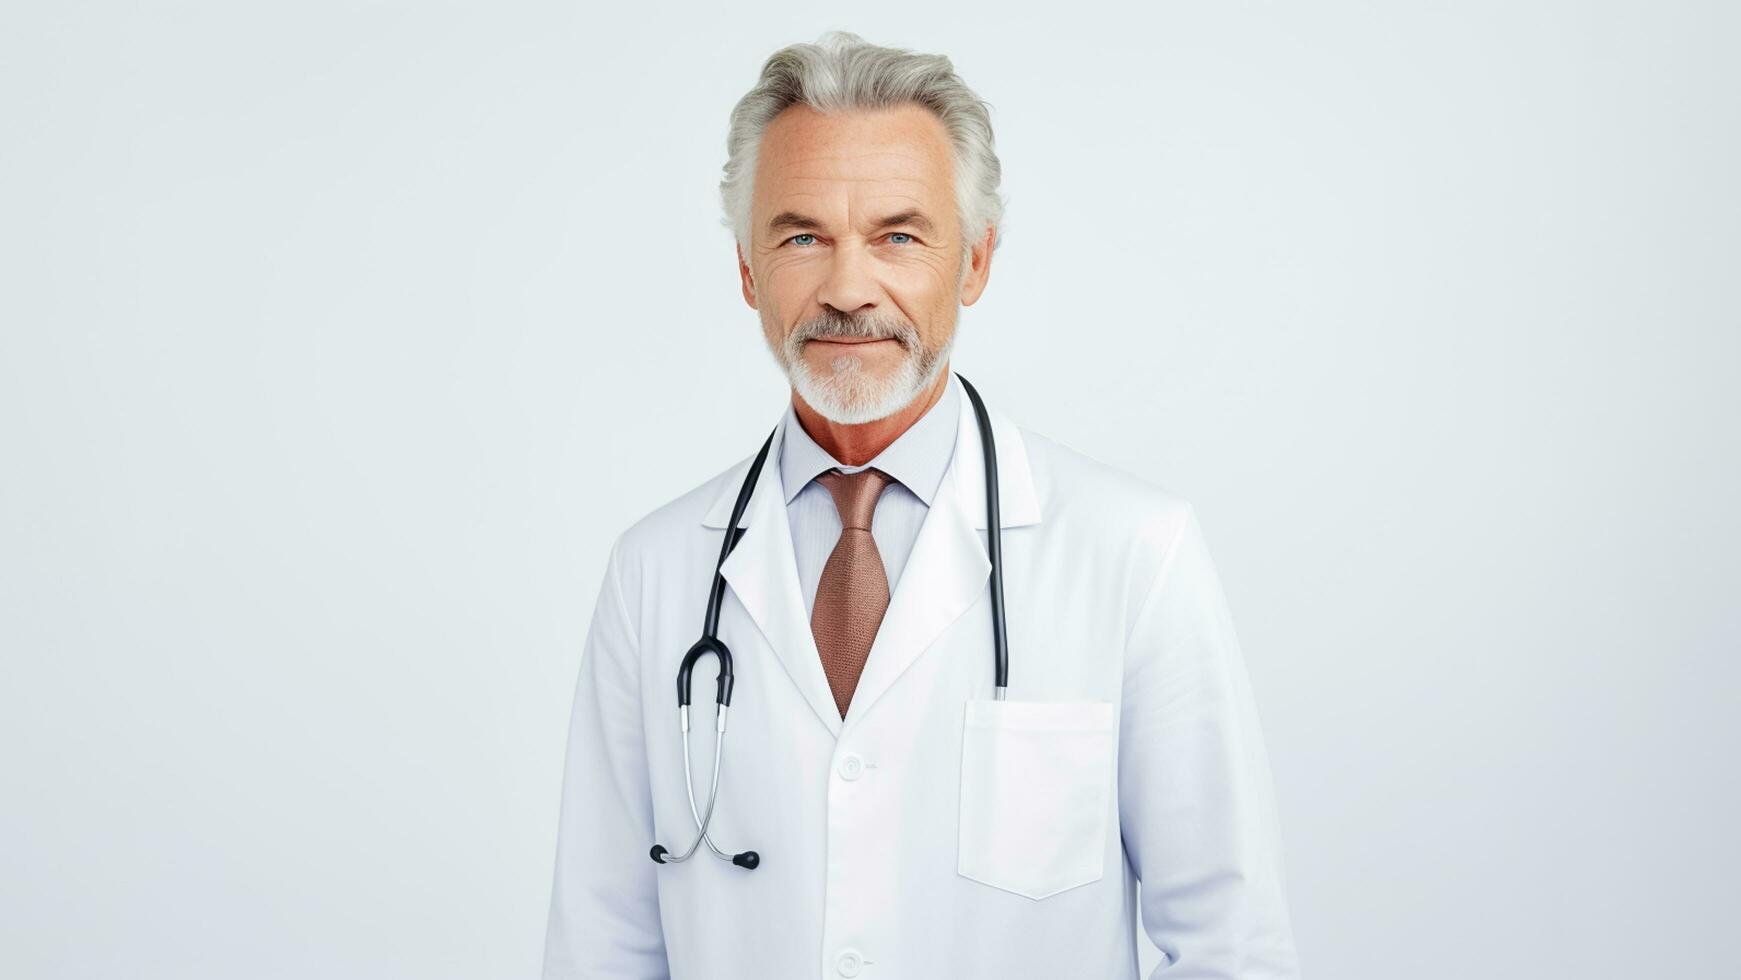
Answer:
x=908 y=824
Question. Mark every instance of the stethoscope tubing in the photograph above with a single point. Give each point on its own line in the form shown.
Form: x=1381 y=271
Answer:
x=993 y=545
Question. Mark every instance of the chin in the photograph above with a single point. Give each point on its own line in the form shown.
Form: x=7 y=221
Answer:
x=849 y=392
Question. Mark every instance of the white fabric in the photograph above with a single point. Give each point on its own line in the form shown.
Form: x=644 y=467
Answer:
x=916 y=459
x=1036 y=844
x=932 y=832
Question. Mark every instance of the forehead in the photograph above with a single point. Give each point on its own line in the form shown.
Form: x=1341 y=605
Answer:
x=901 y=151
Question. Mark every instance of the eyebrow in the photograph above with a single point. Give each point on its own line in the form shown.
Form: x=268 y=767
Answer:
x=803 y=222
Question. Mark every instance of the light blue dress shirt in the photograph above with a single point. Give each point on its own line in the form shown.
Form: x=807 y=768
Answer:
x=916 y=459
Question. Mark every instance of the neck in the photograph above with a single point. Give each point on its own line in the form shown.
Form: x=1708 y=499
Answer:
x=855 y=445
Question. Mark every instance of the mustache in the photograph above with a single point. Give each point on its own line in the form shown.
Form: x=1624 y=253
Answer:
x=854 y=326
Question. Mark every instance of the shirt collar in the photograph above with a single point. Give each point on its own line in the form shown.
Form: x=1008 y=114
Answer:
x=917 y=458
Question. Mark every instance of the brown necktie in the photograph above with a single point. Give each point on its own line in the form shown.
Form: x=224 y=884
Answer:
x=853 y=593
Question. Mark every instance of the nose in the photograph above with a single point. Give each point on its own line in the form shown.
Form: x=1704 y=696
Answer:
x=849 y=285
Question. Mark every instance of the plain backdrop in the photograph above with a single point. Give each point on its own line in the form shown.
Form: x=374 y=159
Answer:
x=338 y=341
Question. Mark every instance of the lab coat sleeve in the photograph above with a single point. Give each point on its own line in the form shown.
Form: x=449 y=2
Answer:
x=604 y=909
x=1196 y=801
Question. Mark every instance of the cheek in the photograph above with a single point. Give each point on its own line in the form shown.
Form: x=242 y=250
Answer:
x=788 y=285
x=774 y=325
x=928 y=291
x=921 y=282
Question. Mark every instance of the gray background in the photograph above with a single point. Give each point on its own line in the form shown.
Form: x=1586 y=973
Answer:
x=340 y=340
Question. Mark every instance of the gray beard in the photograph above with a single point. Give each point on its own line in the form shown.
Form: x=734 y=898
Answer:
x=844 y=393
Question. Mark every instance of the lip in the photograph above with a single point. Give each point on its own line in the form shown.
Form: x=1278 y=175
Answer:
x=850 y=342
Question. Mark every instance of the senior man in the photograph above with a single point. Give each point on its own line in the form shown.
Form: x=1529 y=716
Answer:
x=885 y=813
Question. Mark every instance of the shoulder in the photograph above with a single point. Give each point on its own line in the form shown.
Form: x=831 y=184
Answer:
x=671 y=527
x=1106 y=517
x=1077 y=488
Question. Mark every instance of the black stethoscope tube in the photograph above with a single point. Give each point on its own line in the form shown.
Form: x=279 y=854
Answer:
x=711 y=644
x=993 y=544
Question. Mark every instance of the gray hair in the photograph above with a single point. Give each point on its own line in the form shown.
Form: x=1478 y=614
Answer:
x=843 y=72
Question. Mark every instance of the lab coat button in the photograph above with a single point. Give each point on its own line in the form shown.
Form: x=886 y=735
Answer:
x=851 y=767
x=849 y=962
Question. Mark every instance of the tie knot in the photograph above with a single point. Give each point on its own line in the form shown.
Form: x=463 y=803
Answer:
x=855 y=494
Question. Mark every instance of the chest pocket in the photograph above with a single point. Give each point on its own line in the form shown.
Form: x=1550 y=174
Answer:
x=1036 y=793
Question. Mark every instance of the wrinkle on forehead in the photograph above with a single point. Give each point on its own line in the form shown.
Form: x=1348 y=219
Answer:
x=905 y=149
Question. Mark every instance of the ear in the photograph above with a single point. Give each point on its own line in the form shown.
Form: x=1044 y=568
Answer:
x=978 y=267
x=746 y=280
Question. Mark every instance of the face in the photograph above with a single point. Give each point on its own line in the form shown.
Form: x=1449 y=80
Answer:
x=856 y=261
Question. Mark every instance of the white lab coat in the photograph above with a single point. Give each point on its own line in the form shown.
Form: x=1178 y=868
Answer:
x=933 y=832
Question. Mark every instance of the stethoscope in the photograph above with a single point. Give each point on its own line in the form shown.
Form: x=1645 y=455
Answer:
x=710 y=642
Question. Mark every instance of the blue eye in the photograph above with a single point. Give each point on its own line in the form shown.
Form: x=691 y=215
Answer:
x=900 y=234
x=794 y=239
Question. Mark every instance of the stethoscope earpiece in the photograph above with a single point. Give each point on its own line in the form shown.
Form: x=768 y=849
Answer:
x=711 y=644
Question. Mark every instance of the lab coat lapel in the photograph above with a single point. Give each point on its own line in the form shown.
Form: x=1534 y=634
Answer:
x=764 y=576
x=947 y=570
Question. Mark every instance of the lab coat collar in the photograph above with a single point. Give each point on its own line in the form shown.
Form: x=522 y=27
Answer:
x=1018 y=503
x=945 y=574
x=916 y=459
